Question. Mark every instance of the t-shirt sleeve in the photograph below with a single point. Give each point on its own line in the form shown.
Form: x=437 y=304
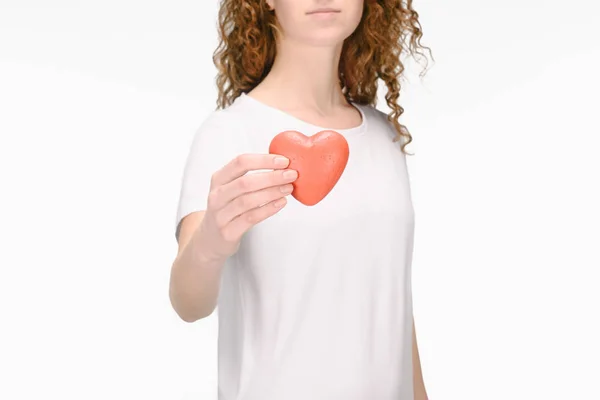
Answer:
x=216 y=142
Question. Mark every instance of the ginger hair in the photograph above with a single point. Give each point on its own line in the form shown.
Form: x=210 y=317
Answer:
x=388 y=28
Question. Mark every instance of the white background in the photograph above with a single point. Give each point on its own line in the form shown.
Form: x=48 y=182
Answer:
x=98 y=105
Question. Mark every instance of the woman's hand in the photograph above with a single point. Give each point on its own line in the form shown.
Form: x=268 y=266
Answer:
x=237 y=201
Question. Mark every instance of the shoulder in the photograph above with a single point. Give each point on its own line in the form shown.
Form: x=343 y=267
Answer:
x=218 y=121
x=378 y=120
x=221 y=125
x=233 y=117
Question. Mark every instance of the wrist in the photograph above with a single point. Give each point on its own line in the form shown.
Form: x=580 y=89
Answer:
x=202 y=252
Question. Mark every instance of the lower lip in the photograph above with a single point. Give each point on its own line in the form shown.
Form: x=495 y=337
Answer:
x=324 y=13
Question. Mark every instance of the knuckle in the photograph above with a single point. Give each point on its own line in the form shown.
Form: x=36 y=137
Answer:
x=240 y=161
x=251 y=217
x=213 y=197
x=244 y=183
x=213 y=180
x=242 y=202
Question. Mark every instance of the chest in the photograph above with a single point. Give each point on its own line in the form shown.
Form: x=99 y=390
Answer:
x=374 y=188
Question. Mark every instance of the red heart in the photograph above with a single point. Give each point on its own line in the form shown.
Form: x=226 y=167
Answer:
x=319 y=159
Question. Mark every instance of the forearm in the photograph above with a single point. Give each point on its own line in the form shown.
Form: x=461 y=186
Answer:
x=418 y=382
x=195 y=281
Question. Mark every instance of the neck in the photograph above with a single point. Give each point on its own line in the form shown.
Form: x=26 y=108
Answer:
x=310 y=73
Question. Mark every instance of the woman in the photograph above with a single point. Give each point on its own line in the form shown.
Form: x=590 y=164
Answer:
x=314 y=302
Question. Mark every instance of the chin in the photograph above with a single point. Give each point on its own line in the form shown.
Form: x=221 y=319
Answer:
x=326 y=37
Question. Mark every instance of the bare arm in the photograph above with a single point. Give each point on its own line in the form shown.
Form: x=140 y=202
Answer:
x=236 y=202
x=418 y=383
x=194 y=284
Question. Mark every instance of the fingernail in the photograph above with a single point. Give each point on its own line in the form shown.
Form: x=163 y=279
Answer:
x=281 y=161
x=280 y=203
x=287 y=188
x=290 y=174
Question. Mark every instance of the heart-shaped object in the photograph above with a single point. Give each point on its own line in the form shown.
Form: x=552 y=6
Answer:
x=320 y=160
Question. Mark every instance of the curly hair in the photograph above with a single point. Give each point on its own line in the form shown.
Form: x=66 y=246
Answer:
x=246 y=52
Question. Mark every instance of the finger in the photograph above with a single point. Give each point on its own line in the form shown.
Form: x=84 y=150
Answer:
x=245 y=163
x=252 y=200
x=252 y=183
x=242 y=223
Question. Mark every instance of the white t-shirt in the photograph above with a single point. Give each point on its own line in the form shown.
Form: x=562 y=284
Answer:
x=317 y=302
